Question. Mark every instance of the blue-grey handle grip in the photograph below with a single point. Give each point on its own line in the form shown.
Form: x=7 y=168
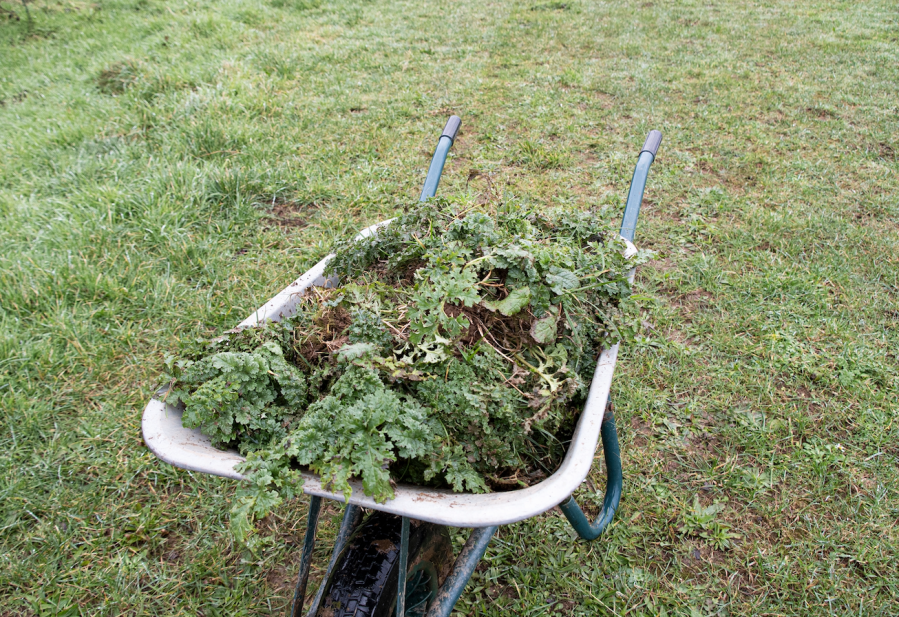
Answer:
x=452 y=127
x=652 y=143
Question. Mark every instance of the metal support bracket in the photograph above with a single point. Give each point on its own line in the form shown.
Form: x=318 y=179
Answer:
x=351 y=517
x=614 y=480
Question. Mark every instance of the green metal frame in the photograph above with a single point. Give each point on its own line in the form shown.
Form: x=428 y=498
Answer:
x=299 y=593
x=352 y=515
x=404 y=565
x=614 y=481
x=465 y=564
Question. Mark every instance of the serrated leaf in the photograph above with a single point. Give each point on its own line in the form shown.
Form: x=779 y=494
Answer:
x=458 y=286
x=511 y=304
x=348 y=352
x=560 y=279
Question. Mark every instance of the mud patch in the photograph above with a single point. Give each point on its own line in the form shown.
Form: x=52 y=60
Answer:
x=291 y=214
x=281 y=579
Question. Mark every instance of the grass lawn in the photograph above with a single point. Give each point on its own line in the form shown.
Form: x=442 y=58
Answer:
x=166 y=166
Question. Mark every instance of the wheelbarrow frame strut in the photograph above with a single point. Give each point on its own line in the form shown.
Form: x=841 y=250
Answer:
x=476 y=545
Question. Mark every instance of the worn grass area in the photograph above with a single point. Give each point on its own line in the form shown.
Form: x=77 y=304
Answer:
x=166 y=166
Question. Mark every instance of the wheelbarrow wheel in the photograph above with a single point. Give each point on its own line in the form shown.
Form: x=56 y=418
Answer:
x=364 y=580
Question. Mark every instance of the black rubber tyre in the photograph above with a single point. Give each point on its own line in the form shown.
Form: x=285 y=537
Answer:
x=364 y=580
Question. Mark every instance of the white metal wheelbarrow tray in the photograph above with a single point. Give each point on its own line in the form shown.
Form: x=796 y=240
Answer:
x=343 y=592
x=191 y=449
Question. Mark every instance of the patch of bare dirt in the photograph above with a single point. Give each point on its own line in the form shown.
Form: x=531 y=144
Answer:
x=820 y=112
x=693 y=301
x=773 y=117
x=16 y=98
x=287 y=214
x=281 y=579
x=443 y=111
x=509 y=333
x=587 y=158
x=327 y=336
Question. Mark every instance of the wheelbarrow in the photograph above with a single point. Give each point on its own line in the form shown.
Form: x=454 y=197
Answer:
x=398 y=559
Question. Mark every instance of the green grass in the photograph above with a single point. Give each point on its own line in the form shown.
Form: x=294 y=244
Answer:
x=167 y=166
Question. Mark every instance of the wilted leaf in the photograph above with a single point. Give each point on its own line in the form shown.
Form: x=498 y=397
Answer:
x=511 y=304
x=544 y=329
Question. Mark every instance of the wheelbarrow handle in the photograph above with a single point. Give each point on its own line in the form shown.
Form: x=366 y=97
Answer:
x=443 y=147
x=638 y=183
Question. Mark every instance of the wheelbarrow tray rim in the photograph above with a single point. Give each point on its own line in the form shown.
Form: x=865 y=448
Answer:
x=190 y=449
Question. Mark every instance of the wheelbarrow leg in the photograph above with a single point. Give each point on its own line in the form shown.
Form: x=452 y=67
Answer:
x=612 y=454
x=466 y=562
x=404 y=564
x=299 y=594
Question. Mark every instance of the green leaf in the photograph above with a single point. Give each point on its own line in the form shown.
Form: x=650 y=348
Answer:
x=511 y=304
x=560 y=279
x=458 y=286
x=544 y=329
x=348 y=352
